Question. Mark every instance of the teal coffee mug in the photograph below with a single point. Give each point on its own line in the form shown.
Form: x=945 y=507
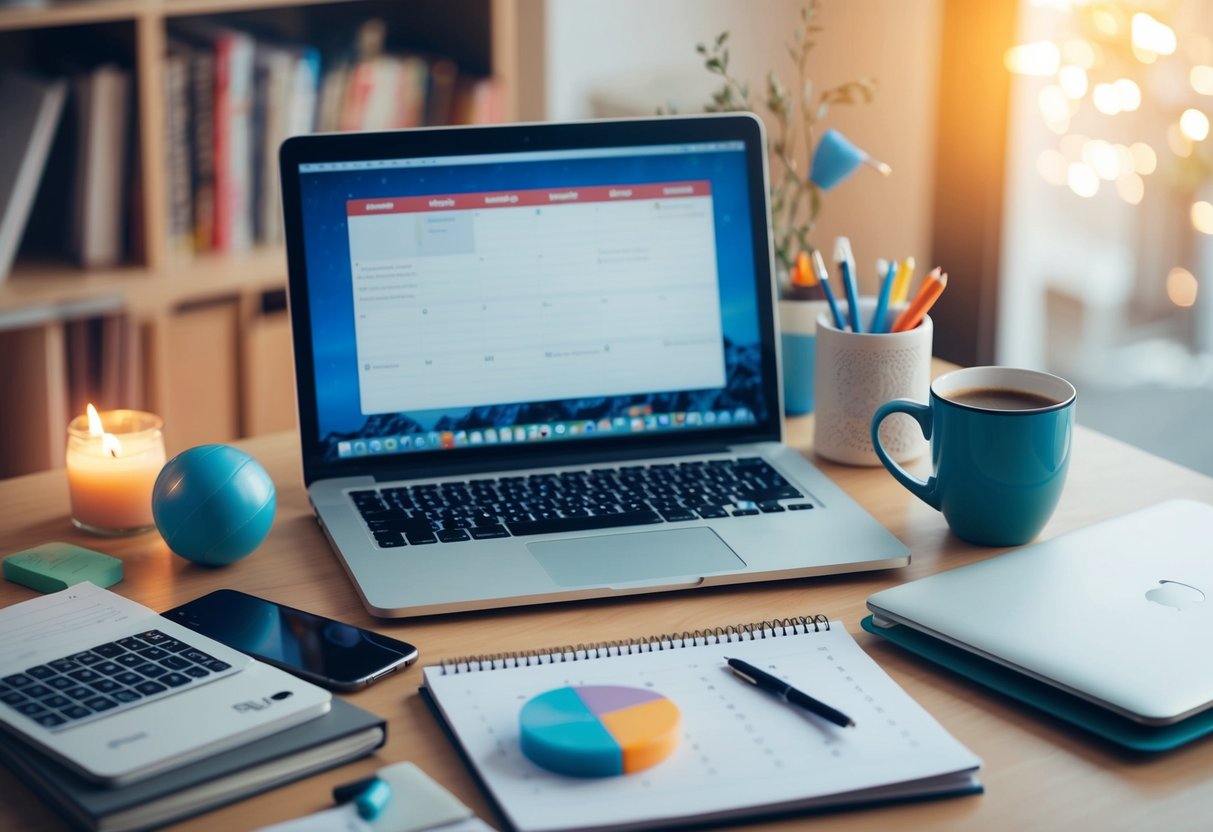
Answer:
x=1000 y=448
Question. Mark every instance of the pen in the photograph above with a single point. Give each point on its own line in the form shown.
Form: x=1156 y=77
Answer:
x=882 y=301
x=823 y=277
x=928 y=293
x=846 y=263
x=901 y=286
x=765 y=681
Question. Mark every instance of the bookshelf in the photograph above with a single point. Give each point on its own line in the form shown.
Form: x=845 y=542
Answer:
x=166 y=303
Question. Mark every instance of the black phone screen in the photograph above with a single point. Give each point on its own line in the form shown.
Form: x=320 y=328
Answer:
x=317 y=647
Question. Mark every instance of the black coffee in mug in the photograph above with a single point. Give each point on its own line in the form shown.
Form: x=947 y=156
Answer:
x=1001 y=398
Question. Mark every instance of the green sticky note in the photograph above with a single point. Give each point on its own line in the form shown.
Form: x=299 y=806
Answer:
x=55 y=566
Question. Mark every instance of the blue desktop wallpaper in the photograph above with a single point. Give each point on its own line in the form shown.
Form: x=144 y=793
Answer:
x=326 y=249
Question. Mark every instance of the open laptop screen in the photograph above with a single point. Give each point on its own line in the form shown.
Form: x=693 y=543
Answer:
x=591 y=294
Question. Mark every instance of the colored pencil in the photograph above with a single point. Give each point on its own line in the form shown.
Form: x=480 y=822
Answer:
x=928 y=293
x=845 y=259
x=882 y=300
x=901 y=286
x=823 y=277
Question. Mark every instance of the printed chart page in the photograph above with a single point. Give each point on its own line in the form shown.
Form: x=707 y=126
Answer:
x=742 y=751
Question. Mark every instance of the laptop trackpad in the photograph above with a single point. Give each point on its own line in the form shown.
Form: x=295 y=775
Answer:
x=637 y=557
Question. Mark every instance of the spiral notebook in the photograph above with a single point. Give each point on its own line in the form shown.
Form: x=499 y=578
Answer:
x=742 y=752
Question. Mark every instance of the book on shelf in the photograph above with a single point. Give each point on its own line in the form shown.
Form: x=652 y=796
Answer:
x=103 y=150
x=30 y=110
x=232 y=96
x=343 y=734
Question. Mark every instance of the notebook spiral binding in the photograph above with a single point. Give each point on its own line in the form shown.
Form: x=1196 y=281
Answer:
x=753 y=631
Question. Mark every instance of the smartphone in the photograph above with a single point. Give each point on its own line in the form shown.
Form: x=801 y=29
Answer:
x=321 y=650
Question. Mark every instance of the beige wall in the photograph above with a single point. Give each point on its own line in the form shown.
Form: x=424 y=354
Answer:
x=611 y=56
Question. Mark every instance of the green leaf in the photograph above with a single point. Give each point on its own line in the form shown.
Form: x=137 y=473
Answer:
x=722 y=37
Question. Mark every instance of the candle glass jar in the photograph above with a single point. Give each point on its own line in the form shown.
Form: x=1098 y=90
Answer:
x=111 y=487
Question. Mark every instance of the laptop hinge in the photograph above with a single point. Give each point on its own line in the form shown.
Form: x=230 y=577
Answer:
x=549 y=460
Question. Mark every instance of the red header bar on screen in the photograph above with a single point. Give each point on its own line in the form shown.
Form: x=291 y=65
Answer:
x=538 y=196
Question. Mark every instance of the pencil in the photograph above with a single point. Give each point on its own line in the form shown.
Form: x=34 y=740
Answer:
x=882 y=300
x=928 y=293
x=823 y=277
x=845 y=259
x=901 y=286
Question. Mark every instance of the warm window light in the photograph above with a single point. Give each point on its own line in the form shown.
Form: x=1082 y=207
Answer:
x=1054 y=105
x=1145 y=160
x=1080 y=53
x=1131 y=187
x=1082 y=180
x=1201 y=78
x=1202 y=217
x=1040 y=58
x=1102 y=158
x=1072 y=144
x=1105 y=22
x=1180 y=144
x=1181 y=287
x=1051 y=165
x=1151 y=35
x=1106 y=99
x=1194 y=124
x=1073 y=81
x=1128 y=94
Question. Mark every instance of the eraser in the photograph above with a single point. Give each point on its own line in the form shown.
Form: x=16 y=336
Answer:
x=55 y=566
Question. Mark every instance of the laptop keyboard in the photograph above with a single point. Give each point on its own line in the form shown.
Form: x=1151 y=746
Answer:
x=109 y=678
x=572 y=501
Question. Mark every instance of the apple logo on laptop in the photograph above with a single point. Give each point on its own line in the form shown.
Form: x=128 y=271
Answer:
x=1175 y=594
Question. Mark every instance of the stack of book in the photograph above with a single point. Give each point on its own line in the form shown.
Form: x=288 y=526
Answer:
x=343 y=734
x=233 y=97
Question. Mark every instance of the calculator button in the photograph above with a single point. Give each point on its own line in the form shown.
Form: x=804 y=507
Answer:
x=36 y=691
x=75 y=712
x=60 y=682
x=175 y=663
x=153 y=654
x=41 y=671
x=50 y=720
x=125 y=695
x=64 y=665
x=132 y=678
x=12 y=698
x=173 y=646
x=17 y=680
x=108 y=668
x=56 y=701
x=30 y=708
x=130 y=643
x=86 y=658
x=197 y=656
x=174 y=680
x=129 y=659
x=79 y=692
x=85 y=675
x=108 y=650
x=197 y=672
x=100 y=703
x=150 y=688
x=105 y=686
x=153 y=637
x=217 y=666
x=149 y=670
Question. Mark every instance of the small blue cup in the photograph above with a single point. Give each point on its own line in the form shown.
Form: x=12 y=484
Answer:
x=1000 y=449
x=798 y=348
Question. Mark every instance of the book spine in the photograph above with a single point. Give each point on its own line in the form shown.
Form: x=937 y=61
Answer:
x=202 y=108
x=730 y=634
x=177 y=133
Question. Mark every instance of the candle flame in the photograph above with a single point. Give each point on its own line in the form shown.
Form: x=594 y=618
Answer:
x=110 y=444
x=94 y=421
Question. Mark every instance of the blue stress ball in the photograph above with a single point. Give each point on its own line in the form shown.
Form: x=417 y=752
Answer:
x=213 y=504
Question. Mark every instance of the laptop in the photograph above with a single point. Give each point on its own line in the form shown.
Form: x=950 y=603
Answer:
x=538 y=362
x=1116 y=613
x=118 y=693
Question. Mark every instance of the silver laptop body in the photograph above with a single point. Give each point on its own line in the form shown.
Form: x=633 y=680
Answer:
x=1116 y=613
x=497 y=328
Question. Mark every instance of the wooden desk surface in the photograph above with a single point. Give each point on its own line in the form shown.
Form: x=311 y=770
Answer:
x=1038 y=772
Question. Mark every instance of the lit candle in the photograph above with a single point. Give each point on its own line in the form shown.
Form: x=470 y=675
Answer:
x=113 y=459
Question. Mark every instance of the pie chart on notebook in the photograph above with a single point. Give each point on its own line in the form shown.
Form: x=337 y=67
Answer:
x=598 y=730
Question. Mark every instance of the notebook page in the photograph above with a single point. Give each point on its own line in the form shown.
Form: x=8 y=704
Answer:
x=741 y=749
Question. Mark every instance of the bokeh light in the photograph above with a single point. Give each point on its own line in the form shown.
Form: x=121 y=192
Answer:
x=1194 y=124
x=1040 y=58
x=1202 y=217
x=1082 y=179
x=1145 y=160
x=1181 y=287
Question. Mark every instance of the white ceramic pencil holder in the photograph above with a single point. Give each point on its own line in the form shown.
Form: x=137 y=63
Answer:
x=858 y=372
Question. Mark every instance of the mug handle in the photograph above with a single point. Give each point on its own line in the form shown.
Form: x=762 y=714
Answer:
x=926 y=491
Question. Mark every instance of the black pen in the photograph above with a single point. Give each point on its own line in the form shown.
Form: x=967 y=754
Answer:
x=789 y=694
